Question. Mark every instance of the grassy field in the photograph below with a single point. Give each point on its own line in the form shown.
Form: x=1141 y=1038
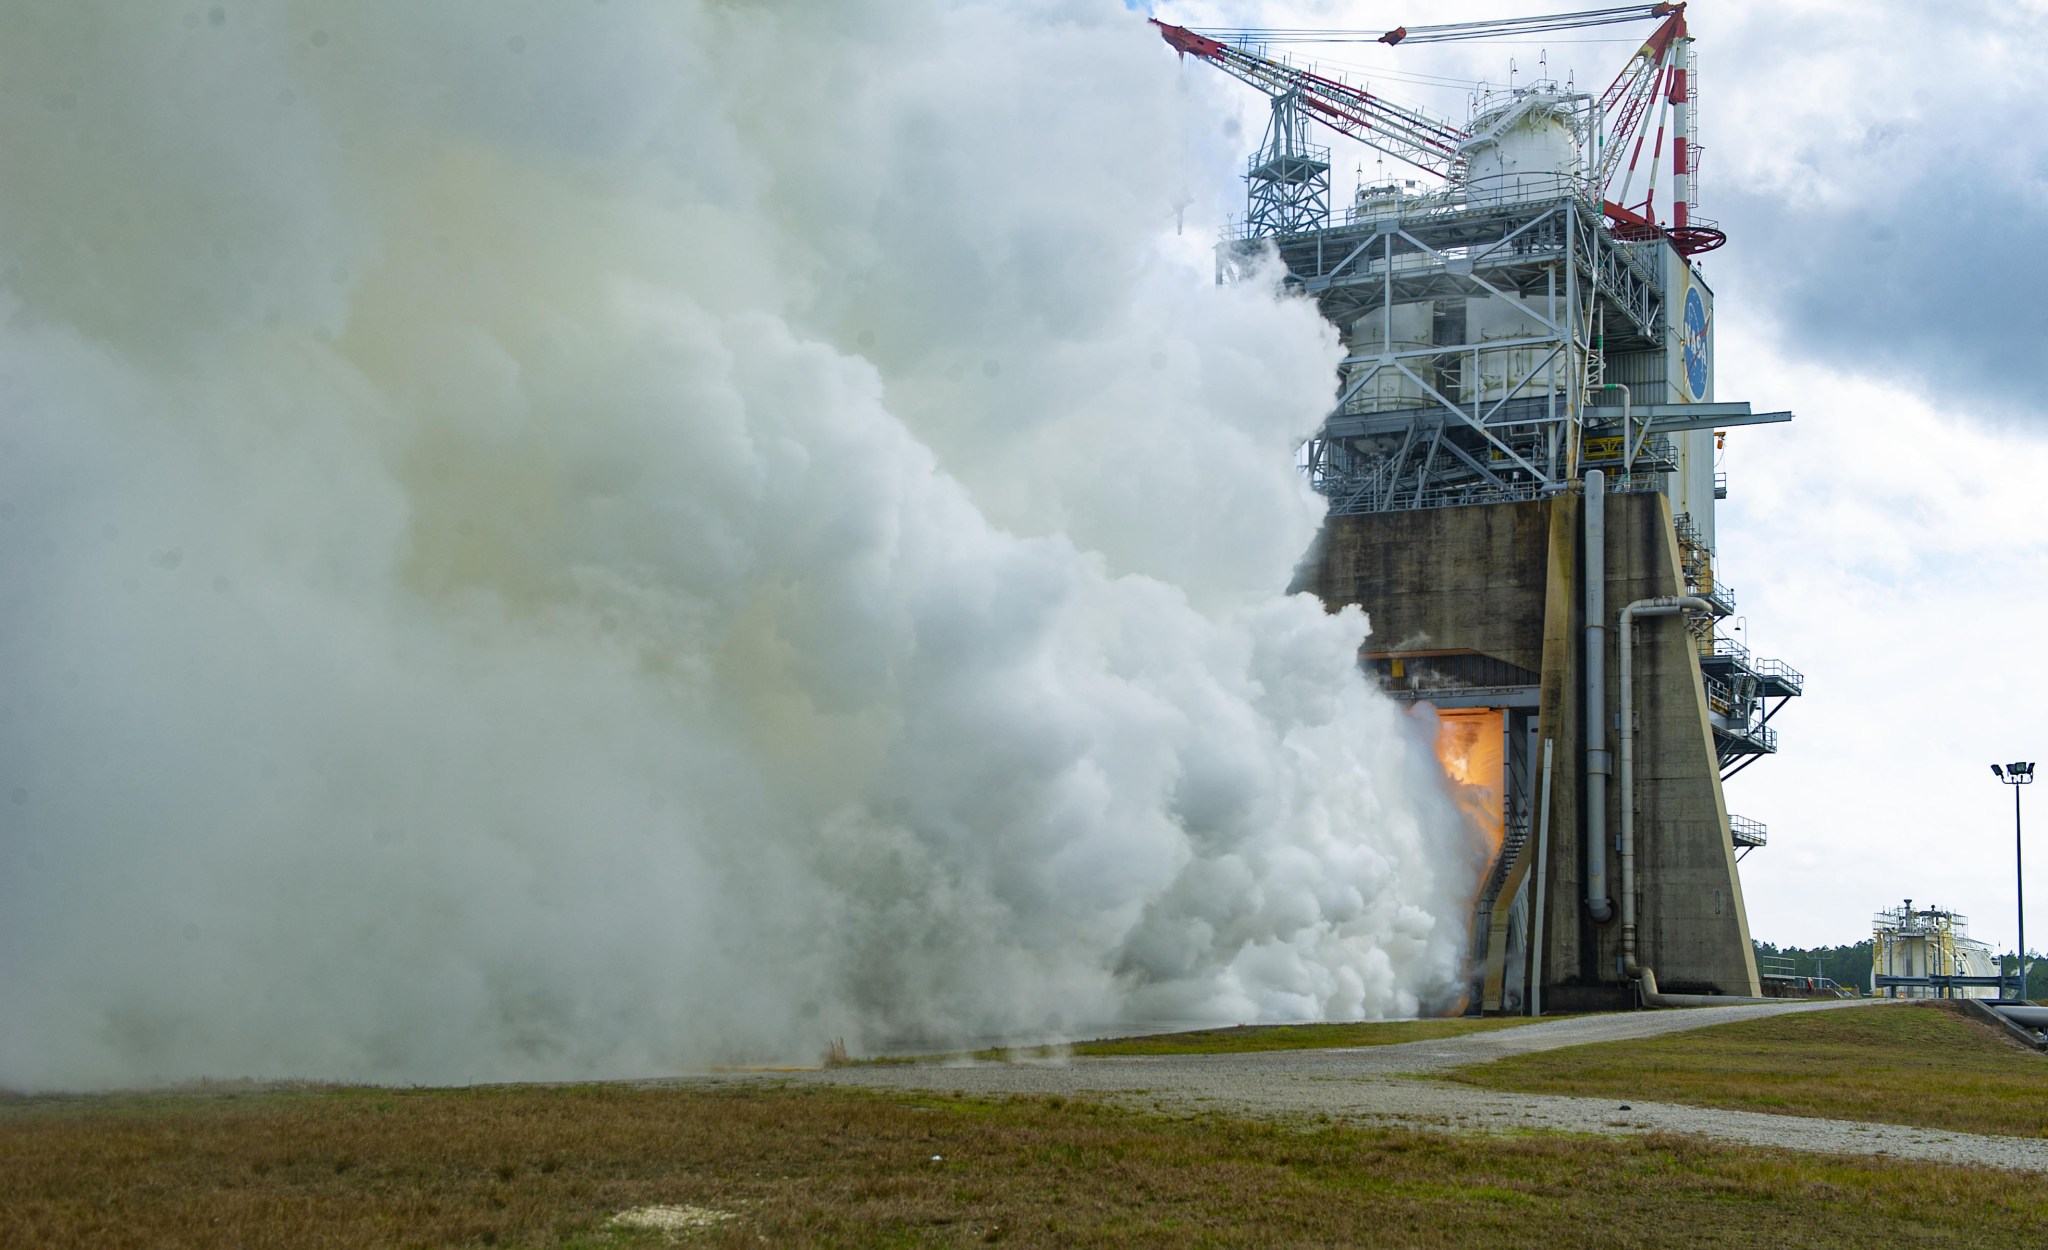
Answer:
x=1924 y=1064
x=527 y=1166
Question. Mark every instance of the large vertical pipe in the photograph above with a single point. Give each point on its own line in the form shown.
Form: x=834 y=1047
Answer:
x=1598 y=764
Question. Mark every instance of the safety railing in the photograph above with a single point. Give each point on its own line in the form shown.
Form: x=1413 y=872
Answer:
x=1746 y=832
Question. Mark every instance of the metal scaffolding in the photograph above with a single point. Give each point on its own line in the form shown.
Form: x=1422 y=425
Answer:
x=1288 y=178
x=1739 y=689
x=1466 y=418
x=1446 y=412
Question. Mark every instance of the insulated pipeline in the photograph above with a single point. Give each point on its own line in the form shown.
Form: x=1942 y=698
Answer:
x=1598 y=763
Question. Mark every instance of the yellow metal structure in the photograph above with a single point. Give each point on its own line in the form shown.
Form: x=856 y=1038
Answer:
x=1927 y=942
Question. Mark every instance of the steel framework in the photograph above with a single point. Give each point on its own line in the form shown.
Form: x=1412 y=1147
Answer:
x=1739 y=689
x=1288 y=178
x=1580 y=291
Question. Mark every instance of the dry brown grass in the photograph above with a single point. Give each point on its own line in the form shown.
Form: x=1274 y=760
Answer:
x=1235 y=1040
x=1255 y=1037
x=1924 y=1064
x=529 y=1166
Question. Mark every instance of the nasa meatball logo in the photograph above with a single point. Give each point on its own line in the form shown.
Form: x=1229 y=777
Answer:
x=1696 y=326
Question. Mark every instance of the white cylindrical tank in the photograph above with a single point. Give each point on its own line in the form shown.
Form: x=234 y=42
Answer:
x=1506 y=372
x=1404 y=328
x=1523 y=147
x=1385 y=199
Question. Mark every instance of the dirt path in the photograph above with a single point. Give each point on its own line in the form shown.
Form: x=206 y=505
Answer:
x=1379 y=1085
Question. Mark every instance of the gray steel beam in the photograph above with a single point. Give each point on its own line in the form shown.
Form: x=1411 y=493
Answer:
x=1472 y=696
x=1671 y=418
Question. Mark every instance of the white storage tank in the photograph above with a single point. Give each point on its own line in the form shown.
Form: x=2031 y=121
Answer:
x=1385 y=199
x=1523 y=147
x=1507 y=372
x=1389 y=388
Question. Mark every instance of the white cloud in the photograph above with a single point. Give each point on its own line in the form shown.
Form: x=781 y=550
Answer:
x=555 y=545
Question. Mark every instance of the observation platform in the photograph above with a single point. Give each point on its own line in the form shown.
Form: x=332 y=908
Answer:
x=1744 y=832
x=1738 y=687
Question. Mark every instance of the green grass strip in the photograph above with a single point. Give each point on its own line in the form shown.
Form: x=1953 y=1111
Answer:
x=1921 y=1064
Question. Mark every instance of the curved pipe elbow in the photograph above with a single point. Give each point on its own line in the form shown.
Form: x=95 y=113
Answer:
x=1646 y=990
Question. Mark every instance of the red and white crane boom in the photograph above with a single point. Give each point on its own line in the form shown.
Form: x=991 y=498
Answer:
x=1404 y=133
x=1659 y=74
x=1498 y=28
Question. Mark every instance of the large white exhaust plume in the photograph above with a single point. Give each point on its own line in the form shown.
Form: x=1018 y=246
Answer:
x=552 y=539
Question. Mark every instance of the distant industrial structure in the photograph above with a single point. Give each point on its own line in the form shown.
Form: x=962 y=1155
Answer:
x=1928 y=953
x=1782 y=978
x=1521 y=468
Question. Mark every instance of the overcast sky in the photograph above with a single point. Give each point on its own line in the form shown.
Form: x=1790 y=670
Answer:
x=1882 y=174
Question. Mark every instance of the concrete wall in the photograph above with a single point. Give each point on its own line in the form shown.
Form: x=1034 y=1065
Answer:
x=1443 y=579
x=1503 y=580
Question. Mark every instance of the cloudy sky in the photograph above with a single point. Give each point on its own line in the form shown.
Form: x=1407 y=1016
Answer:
x=1884 y=187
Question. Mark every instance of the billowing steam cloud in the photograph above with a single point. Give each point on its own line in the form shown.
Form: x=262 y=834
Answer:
x=560 y=539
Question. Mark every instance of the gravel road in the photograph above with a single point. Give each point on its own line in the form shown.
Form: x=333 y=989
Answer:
x=1379 y=1084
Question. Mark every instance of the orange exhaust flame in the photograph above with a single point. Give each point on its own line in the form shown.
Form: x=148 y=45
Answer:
x=1470 y=750
x=1468 y=745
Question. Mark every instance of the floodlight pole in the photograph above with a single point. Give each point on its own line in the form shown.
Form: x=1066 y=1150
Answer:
x=2019 y=876
x=2017 y=775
